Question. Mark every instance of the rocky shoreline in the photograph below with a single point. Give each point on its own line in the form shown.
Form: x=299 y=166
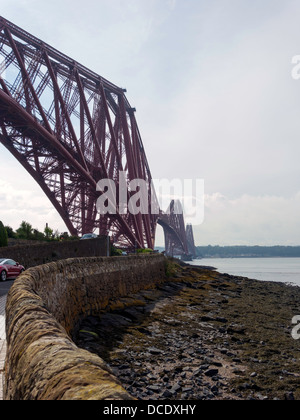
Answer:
x=201 y=336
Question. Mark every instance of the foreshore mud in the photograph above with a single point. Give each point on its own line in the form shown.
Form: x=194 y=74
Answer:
x=201 y=335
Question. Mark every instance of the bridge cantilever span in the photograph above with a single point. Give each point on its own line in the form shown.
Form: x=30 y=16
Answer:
x=174 y=229
x=70 y=128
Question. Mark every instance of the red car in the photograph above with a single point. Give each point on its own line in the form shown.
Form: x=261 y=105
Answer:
x=9 y=269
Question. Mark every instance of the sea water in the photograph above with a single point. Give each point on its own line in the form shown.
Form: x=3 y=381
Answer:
x=285 y=270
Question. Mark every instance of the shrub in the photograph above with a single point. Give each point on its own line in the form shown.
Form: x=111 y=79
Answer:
x=144 y=251
x=3 y=235
x=115 y=252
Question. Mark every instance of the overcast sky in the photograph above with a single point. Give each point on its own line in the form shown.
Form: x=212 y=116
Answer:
x=211 y=82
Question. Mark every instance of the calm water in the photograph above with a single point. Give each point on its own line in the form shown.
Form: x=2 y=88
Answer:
x=285 y=270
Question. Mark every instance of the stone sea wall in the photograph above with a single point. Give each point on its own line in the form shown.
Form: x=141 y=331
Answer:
x=46 y=303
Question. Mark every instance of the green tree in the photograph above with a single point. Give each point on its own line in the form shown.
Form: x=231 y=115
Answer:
x=3 y=235
x=25 y=231
x=10 y=232
x=48 y=233
x=37 y=235
x=64 y=236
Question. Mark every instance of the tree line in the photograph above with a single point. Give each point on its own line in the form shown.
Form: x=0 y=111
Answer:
x=27 y=232
x=248 y=251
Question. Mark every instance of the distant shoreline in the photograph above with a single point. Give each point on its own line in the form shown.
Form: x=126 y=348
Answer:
x=239 y=251
x=248 y=251
x=242 y=257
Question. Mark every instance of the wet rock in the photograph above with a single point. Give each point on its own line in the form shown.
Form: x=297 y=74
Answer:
x=222 y=320
x=289 y=396
x=168 y=394
x=176 y=388
x=154 y=388
x=211 y=372
x=155 y=351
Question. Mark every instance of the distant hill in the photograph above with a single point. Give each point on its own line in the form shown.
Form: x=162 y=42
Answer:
x=248 y=251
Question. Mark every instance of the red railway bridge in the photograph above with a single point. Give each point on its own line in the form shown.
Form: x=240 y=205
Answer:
x=70 y=128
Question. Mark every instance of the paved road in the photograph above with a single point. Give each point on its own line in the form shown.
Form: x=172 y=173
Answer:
x=4 y=288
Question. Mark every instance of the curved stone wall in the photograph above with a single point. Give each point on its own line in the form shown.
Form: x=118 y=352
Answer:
x=43 y=307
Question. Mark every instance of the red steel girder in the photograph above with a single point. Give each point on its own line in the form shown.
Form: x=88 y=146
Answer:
x=175 y=234
x=70 y=128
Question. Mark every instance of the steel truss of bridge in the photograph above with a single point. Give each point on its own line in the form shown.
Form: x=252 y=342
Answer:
x=70 y=128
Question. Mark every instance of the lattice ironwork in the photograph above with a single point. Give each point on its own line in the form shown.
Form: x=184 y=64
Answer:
x=190 y=241
x=174 y=229
x=70 y=128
